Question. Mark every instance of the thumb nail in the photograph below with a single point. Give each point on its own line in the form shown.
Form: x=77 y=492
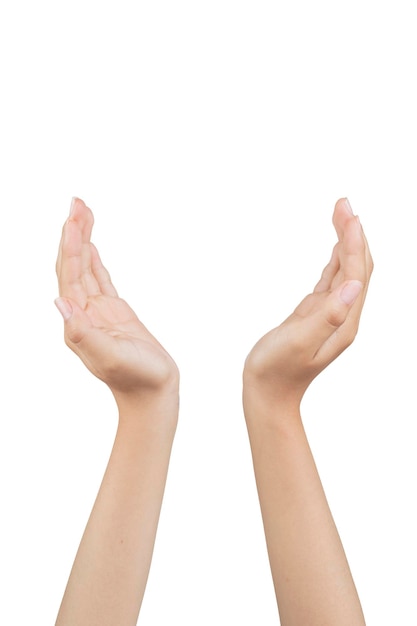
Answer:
x=350 y=291
x=64 y=307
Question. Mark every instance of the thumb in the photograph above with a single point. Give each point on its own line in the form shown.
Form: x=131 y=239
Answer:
x=316 y=329
x=349 y=291
x=337 y=306
x=77 y=323
x=339 y=303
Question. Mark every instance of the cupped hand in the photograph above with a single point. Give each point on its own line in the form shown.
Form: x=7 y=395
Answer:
x=100 y=327
x=283 y=363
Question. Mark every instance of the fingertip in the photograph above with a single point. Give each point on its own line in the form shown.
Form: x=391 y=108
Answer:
x=341 y=214
x=72 y=207
x=77 y=207
x=345 y=204
x=76 y=204
x=64 y=307
x=83 y=216
x=77 y=322
x=342 y=206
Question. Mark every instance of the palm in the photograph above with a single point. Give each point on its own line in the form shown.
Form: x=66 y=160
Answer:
x=111 y=341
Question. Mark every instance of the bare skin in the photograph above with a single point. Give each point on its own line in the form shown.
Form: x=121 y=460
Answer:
x=313 y=583
x=311 y=575
x=108 y=578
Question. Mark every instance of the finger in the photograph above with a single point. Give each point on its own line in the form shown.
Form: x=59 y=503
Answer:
x=91 y=345
x=329 y=271
x=356 y=264
x=59 y=257
x=341 y=214
x=70 y=274
x=352 y=251
x=330 y=314
x=75 y=276
x=356 y=311
x=77 y=322
x=353 y=267
x=85 y=219
x=101 y=275
x=368 y=257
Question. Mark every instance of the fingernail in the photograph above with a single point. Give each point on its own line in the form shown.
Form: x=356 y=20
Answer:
x=72 y=205
x=349 y=208
x=351 y=291
x=64 y=307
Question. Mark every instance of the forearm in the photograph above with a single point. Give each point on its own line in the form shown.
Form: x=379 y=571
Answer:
x=108 y=579
x=312 y=580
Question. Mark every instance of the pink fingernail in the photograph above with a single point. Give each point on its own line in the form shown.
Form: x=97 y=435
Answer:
x=64 y=307
x=348 y=206
x=351 y=291
x=74 y=199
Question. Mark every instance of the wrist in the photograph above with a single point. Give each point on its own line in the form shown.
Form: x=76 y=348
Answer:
x=269 y=425
x=150 y=409
x=268 y=404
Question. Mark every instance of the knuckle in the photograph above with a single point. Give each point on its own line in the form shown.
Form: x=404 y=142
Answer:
x=335 y=316
x=73 y=335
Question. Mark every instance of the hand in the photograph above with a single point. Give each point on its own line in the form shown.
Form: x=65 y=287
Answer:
x=283 y=363
x=100 y=327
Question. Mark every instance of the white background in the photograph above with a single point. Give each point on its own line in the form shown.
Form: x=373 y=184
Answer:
x=211 y=140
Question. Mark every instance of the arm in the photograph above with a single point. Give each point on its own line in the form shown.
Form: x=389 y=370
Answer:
x=108 y=578
x=312 y=580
